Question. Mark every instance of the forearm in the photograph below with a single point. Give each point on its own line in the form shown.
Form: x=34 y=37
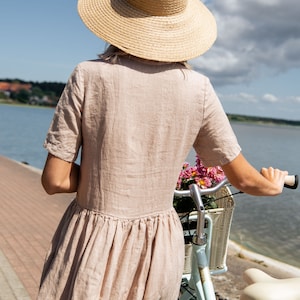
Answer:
x=70 y=183
x=60 y=176
x=247 y=179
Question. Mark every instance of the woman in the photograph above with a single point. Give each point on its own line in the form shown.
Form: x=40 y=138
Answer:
x=135 y=113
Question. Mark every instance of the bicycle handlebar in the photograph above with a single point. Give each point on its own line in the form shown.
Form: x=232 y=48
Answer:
x=291 y=182
x=206 y=191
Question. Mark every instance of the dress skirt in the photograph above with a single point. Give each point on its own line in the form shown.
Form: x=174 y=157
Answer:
x=96 y=256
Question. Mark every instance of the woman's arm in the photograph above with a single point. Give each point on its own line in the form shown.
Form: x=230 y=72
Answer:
x=60 y=176
x=242 y=175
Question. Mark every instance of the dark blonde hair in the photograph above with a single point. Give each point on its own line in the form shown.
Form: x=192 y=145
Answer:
x=112 y=54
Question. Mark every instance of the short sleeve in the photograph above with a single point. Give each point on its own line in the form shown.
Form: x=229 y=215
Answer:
x=64 y=136
x=216 y=142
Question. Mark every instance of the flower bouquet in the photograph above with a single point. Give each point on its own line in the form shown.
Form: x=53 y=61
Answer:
x=204 y=177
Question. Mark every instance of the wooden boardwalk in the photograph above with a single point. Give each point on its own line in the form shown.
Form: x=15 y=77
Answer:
x=28 y=218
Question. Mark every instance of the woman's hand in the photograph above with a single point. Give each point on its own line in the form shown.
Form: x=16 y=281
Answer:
x=275 y=176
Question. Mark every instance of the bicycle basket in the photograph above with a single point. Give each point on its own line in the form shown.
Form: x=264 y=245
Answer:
x=221 y=218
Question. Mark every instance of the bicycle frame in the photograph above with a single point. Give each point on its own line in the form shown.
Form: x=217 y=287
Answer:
x=198 y=285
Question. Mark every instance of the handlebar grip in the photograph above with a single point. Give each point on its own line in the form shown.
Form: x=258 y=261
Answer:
x=291 y=181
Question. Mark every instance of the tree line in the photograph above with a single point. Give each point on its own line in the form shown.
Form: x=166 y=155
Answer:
x=262 y=120
x=41 y=93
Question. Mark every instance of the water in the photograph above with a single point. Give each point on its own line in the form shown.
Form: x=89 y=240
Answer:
x=23 y=131
x=266 y=225
x=270 y=225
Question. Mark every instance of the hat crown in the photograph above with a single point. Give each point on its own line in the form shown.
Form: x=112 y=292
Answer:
x=159 y=7
x=160 y=30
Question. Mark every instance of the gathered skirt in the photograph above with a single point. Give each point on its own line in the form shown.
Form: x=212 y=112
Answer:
x=97 y=256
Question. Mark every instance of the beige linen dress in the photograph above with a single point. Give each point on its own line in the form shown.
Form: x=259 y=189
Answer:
x=136 y=123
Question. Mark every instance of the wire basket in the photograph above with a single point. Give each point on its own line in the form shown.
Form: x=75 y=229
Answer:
x=221 y=218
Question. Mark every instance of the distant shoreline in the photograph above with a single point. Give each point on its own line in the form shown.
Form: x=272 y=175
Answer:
x=261 y=120
x=15 y=103
x=231 y=117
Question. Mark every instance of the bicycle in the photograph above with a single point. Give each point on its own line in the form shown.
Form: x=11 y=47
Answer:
x=198 y=283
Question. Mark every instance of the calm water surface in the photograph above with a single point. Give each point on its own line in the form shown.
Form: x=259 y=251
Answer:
x=23 y=130
x=266 y=225
x=270 y=225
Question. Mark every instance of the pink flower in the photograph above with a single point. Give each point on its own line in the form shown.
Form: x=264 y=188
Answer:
x=204 y=176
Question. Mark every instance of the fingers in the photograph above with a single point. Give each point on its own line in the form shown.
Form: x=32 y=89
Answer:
x=273 y=172
x=274 y=175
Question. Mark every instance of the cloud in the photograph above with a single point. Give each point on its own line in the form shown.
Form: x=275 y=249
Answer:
x=269 y=98
x=254 y=37
x=247 y=98
x=266 y=105
x=294 y=99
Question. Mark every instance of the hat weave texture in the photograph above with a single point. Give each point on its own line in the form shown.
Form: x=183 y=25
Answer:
x=161 y=30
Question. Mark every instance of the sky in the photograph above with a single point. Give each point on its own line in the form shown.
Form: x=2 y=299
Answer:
x=254 y=65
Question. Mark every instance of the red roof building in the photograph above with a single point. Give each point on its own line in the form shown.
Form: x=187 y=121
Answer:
x=14 y=87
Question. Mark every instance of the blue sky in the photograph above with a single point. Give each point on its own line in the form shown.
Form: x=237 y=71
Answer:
x=254 y=65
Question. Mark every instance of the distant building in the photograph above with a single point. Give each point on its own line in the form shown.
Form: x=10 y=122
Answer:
x=45 y=100
x=9 y=87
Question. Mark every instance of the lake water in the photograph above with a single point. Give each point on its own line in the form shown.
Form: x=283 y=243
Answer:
x=269 y=226
x=23 y=130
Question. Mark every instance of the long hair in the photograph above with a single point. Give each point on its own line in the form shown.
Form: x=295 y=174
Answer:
x=112 y=54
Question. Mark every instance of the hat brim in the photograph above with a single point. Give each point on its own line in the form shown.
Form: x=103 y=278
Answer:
x=173 y=38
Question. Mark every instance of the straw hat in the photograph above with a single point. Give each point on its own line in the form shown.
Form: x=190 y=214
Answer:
x=161 y=30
